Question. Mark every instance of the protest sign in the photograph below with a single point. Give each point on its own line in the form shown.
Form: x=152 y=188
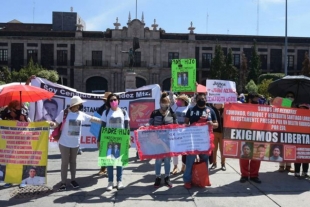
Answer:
x=266 y=133
x=184 y=75
x=282 y=102
x=95 y=127
x=23 y=152
x=221 y=91
x=172 y=140
x=139 y=103
x=114 y=147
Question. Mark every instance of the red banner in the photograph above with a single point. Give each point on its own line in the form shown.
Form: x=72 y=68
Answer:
x=266 y=133
x=173 y=140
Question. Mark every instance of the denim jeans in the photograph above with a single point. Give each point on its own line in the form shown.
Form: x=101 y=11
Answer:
x=119 y=173
x=167 y=164
x=190 y=159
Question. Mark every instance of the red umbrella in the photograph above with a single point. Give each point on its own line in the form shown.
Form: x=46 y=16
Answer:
x=24 y=93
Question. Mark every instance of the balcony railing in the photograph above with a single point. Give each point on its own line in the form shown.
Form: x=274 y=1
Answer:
x=97 y=63
x=140 y=64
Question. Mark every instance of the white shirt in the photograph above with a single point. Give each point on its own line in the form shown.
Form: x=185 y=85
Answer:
x=180 y=112
x=36 y=180
x=71 y=131
x=115 y=119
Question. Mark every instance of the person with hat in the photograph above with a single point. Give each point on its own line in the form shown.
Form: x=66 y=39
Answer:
x=103 y=169
x=70 y=138
x=179 y=105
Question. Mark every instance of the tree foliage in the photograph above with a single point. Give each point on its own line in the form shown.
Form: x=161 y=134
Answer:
x=5 y=75
x=255 y=65
x=251 y=87
x=263 y=87
x=218 y=63
x=243 y=74
x=273 y=76
x=230 y=72
x=306 y=66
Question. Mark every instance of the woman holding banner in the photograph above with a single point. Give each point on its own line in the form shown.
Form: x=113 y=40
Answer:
x=163 y=116
x=114 y=117
x=69 y=140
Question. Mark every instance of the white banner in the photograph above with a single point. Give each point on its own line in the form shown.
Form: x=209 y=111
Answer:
x=221 y=91
x=139 y=103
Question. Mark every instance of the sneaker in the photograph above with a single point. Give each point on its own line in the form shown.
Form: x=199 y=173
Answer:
x=175 y=170
x=7 y=185
x=79 y=151
x=157 y=182
x=62 y=187
x=281 y=169
x=110 y=186
x=137 y=155
x=256 y=180
x=243 y=179
x=188 y=185
x=223 y=167
x=74 y=184
x=168 y=182
x=213 y=166
x=120 y=185
x=297 y=175
x=103 y=171
x=305 y=174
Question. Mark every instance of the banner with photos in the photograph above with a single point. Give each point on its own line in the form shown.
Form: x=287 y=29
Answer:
x=183 y=75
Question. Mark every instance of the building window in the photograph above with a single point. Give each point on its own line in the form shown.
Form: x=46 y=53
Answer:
x=276 y=60
x=290 y=62
x=32 y=54
x=137 y=59
x=171 y=56
x=263 y=61
x=236 y=60
x=206 y=60
x=96 y=58
x=3 y=56
x=62 y=57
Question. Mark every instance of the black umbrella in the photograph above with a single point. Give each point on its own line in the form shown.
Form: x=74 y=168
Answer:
x=299 y=85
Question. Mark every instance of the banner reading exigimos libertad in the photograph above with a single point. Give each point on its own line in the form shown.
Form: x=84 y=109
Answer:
x=114 y=147
x=23 y=152
x=184 y=75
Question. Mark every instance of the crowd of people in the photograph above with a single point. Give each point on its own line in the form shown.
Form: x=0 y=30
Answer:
x=174 y=109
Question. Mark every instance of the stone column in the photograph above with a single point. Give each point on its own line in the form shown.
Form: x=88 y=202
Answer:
x=130 y=80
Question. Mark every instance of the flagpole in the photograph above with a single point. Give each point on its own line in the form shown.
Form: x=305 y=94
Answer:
x=285 y=58
x=136 y=8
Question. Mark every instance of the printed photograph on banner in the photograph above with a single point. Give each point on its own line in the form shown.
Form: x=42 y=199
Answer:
x=289 y=152
x=2 y=173
x=152 y=143
x=276 y=153
x=261 y=151
x=246 y=150
x=33 y=175
x=74 y=127
x=183 y=73
x=140 y=112
x=48 y=110
x=230 y=148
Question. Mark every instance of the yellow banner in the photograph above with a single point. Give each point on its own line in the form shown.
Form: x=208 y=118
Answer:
x=23 y=152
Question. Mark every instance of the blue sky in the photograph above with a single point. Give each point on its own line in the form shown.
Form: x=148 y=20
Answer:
x=174 y=16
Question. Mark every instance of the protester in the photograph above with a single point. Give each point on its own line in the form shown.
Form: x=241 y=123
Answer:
x=114 y=117
x=218 y=136
x=287 y=166
x=180 y=107
x=305 y=166
x=163 y=116
x=69 y=141
x=103 y=169
x=250 y=167
x=203 y=114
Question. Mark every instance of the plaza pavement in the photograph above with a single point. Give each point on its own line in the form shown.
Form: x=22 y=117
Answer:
x=277 y=189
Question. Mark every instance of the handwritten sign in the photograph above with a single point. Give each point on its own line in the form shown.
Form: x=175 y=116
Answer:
x=221 y=91
x=184 y=75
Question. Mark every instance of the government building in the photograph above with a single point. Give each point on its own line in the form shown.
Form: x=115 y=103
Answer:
x=91 y=61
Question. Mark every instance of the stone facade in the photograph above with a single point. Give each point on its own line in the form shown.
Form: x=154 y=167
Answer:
x=95 y=60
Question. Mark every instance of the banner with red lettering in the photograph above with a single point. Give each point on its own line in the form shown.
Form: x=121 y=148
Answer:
x=139 y=103
x=221 y=91
x=173 y=140
x=266 y=133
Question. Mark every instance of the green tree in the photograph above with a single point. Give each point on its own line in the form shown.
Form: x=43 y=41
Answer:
x=251 y=87
x=243 y=74
x=263 y=87
x=230 y=72
x=34 y=69
x=255 y=65
x=273 y=76
x=218 y=63
x=306 y=66
x=5 y=75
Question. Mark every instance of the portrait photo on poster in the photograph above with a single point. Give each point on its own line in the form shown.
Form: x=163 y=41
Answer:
x=2 y=172
x=276 y=153
x=33 y=175
x=48 y=110
x=246 y=150
x=261 y=151
x=182 y=78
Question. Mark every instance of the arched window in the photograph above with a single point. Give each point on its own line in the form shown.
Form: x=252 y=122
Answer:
x=97 y=83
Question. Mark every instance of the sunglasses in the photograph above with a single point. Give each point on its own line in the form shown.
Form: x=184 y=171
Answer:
x=111 y=100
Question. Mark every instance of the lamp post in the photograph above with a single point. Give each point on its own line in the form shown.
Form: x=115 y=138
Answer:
x=285 y=58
